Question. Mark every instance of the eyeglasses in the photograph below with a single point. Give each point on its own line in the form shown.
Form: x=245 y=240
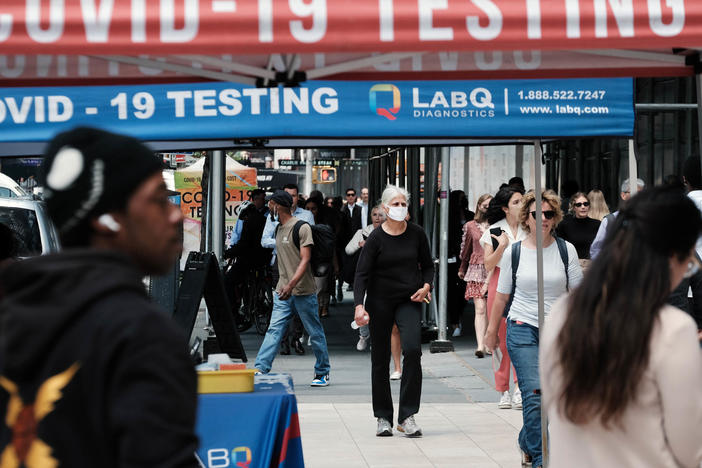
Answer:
x=693 y=267
x=350 y=194
x=579 y=204
x=547 y=214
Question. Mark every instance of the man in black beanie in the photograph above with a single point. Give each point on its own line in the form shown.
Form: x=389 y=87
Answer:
x=91 y=372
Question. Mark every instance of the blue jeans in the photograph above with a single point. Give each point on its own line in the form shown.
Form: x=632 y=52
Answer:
x=306 y=308
x=523 y=348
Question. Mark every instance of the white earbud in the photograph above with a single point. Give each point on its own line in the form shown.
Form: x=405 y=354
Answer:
x=109 y=222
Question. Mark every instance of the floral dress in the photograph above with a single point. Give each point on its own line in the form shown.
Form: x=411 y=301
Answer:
x=473 y=257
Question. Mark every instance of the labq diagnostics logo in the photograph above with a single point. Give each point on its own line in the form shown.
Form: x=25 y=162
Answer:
x=389 y=112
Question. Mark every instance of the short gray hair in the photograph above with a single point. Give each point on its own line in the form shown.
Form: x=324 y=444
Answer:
x=639 y=184
x=380 y=209
x=392 y=191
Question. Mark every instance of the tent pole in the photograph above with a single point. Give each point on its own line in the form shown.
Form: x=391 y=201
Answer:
x=540 y=280
x=217 y=198
x=633 y=174
x=308 y=172
x=698 y=88
x=442 y=345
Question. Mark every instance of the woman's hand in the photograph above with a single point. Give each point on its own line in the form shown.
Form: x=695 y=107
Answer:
x=502 y=239
x=461 y=274
x=422 y=294
x=484 y=289
x=491 y=339
x=361 y=316
x=362 y=243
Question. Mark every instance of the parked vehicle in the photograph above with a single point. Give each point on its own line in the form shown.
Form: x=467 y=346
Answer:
x=10 y=189
x=34 y=231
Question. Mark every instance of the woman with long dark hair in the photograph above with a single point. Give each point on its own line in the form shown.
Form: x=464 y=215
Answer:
x=621 y=370
x=502 y=215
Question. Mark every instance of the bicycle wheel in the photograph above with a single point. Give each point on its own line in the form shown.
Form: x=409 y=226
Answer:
x=264 y=308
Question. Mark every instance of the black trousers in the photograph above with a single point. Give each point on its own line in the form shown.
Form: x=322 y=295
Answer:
x=455 y=294
x=407 y=314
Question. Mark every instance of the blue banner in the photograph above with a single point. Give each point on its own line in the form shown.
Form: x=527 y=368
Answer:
x=329 y=109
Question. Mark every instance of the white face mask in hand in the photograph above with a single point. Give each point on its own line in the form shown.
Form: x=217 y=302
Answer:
x=397 y=213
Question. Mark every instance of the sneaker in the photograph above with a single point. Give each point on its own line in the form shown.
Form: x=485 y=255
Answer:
x=362 y=343
x=320 y=381
x=505 y=401
x=384 y=428
x=456 y=332
x=396 y=375
x=409 y=427
x=517 y=399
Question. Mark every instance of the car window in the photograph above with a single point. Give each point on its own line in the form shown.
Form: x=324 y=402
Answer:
x=23 y=223
x=6 y=192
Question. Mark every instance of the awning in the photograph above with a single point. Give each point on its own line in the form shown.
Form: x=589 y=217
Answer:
x=264 y=41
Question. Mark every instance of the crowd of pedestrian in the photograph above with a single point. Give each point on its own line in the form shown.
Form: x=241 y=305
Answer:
x=616 y=364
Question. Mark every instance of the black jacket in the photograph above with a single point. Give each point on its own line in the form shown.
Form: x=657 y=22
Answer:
x=101 y=376
x=354 y=220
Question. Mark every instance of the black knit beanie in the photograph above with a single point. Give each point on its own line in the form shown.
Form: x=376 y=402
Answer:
x=88 y=172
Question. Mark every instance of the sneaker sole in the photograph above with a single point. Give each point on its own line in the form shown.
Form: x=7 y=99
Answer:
x=505 y=406
x=319 y=384
x=385 y=433
x=413 y=435
x=518 y=407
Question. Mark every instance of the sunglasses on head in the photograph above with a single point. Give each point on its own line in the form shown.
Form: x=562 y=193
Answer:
x=579 y=204
x=547 y=214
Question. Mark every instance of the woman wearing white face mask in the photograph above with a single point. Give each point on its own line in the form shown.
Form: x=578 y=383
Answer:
x=396 y=271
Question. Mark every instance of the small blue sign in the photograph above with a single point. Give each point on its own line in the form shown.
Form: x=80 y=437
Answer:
x=327 y=109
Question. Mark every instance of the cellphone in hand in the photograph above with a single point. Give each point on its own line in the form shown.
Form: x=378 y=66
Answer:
x=496 y=231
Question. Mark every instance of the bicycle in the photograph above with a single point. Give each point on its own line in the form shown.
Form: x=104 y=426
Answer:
x=253 y=300
x=260 y=298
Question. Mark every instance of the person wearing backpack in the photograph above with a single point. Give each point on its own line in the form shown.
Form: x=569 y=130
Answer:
x=517 y=297
x=295 y=292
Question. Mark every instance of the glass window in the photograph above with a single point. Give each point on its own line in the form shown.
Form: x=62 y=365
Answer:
x=6 y=192
x=23 y=223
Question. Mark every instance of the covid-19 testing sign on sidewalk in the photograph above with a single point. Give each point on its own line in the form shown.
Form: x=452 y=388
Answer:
x=327 y=109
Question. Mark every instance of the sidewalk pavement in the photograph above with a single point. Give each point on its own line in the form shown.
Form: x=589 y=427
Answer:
x=459 y=416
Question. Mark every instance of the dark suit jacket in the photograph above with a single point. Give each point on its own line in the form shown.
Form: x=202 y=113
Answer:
x=354 y=221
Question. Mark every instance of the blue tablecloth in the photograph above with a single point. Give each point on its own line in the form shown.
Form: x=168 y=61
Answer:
x=251 y=430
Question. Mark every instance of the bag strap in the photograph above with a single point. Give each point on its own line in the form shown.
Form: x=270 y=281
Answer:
x=516 y=254
x=563 y=250
x=296 y=233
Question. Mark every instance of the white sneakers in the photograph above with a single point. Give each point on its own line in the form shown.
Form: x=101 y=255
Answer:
x=396 y=375
x=508 y=401
x=362 y=343
x=517 y=399
x=505 y=400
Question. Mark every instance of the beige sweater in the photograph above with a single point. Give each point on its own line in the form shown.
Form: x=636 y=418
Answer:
x=663 y=428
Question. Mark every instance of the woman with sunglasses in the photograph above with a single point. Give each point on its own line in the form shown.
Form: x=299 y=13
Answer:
x=578 y=228
x=622 y=371
x=561 y=272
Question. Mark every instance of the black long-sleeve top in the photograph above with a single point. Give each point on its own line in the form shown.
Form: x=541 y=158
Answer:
x=393 y=267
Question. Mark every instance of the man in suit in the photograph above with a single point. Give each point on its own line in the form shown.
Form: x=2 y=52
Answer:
x=352 y=211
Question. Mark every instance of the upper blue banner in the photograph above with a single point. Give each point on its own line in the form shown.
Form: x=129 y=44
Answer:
x=328 y=109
